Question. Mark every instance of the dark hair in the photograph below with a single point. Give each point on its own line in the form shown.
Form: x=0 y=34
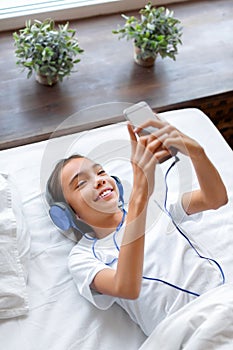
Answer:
x=54 y=192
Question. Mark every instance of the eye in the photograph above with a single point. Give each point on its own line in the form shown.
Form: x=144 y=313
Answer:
x=101 y=172
x=79 y=184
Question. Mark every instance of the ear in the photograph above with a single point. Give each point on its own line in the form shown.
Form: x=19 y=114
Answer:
x=78 y=217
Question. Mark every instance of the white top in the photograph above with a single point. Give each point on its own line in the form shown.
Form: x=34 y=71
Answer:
x=168 y=256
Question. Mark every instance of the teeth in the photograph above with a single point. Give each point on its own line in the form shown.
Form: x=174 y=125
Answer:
x=105 y=193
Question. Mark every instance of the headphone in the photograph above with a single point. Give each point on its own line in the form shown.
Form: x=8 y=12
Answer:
x=63 y=216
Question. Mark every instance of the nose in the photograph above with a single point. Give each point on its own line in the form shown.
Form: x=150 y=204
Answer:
x=100 y=181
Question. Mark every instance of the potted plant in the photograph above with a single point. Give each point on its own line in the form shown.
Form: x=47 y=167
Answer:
x=50 y=52
x=155 y=33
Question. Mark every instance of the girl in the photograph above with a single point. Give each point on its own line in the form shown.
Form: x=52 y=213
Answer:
x=108 y=263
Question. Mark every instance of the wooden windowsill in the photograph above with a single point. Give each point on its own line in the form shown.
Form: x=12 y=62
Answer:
x=107 y=73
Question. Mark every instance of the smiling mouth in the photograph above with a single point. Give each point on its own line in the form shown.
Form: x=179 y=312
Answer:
x=104 y=194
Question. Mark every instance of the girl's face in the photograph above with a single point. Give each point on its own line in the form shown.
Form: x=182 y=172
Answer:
x=89 y=190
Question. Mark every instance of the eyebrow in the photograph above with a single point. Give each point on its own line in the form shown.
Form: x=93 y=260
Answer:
x=81 y=173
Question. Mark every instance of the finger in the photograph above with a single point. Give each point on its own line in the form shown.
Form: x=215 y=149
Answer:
x=161 y=133
x=156 y=123
x=177 y=143
x=140 y=149
x=154 y=145
x=131 y=131
x=152 y=150
x=166 y=135
x=160 y=156
x=159 y=137
x=167 y=129
x=163 y=155
x=133 y=137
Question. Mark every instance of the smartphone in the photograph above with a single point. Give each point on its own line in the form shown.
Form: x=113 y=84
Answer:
x=138 y=114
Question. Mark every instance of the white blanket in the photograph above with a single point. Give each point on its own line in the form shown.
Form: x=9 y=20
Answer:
x=205 y=323
x=58 y=318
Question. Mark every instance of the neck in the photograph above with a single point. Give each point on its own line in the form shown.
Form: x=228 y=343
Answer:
x=108 y=225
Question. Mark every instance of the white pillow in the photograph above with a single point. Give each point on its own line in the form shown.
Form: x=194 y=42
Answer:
x=14 y=251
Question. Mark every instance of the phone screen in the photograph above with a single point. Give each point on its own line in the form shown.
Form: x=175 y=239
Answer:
x=139 y=114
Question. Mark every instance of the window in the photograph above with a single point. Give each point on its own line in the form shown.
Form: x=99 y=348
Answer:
x=14 y=13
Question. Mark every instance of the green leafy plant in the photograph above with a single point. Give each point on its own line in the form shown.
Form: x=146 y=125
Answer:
x=156 y=32
x=47 y=50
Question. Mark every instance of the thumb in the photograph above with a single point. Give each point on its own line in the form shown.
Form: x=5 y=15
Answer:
x=133 y=137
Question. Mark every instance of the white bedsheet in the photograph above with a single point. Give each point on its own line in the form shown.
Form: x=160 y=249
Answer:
x=58 y=317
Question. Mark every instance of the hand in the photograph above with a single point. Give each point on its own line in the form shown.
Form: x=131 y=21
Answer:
x=206 y=197
x=145 y=154
x=170 y=138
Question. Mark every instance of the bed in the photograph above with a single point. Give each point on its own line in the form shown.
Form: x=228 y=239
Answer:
x=40 y=307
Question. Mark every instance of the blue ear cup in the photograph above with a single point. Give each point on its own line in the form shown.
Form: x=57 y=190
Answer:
x=63 y=216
